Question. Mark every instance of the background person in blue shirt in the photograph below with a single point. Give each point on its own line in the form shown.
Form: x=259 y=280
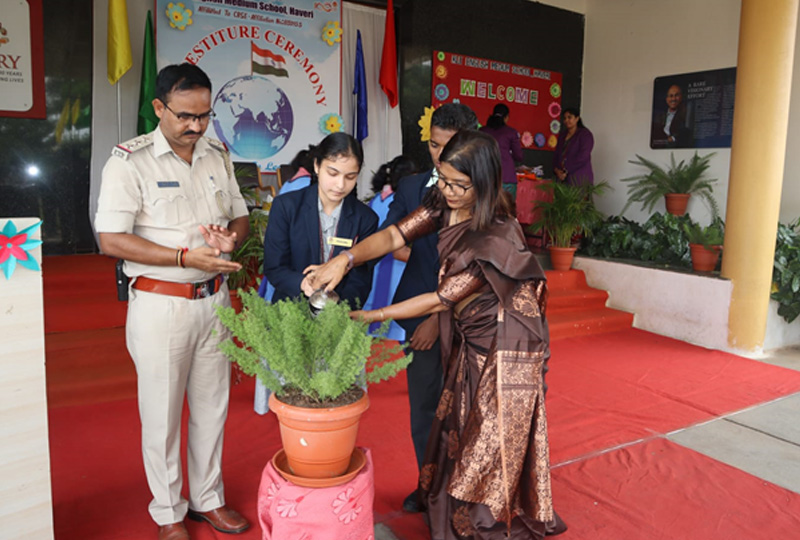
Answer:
x=389 y=269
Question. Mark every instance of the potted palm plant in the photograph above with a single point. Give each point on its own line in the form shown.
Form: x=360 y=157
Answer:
x=675 y=184
x=569 y=211
x=319 y=366
x=705 y=244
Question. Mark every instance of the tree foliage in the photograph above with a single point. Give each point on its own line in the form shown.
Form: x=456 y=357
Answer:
x=786 y=271
x=661 y=239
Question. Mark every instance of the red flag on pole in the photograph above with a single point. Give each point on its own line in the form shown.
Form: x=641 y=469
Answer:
x=388 y=76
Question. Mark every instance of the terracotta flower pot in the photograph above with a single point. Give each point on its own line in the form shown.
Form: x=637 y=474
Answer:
x=704 y=259
x=676 y=203
x=561 y=257
x=318 y=442
x=236 y=302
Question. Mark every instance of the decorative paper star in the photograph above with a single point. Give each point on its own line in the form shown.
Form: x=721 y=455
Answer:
x=16 y=246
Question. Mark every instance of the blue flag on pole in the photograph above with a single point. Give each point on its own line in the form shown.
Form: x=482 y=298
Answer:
x=360 y=90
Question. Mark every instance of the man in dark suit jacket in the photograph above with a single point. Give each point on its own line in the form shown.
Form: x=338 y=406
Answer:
x=293 y=242
x=421 y=276
x=670 y=128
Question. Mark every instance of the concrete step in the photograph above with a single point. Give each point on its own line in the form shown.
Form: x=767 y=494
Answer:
x=587 y=322
x=575 y=309
x=561 y=300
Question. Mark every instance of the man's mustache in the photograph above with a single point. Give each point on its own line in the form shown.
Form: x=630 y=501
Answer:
x=190 y=132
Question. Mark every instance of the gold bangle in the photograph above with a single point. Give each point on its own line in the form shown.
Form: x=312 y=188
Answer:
x=383 y=317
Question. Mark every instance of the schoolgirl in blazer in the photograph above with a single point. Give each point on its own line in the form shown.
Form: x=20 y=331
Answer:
x=294 y=238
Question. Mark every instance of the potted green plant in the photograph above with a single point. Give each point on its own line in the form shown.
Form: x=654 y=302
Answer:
x=705 y=244
x=569 y=211
x=675 y=184
x=250 y=253
x=318 y=367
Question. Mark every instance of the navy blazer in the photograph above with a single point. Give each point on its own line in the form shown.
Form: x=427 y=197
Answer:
x=422 y=269
x=292 y=242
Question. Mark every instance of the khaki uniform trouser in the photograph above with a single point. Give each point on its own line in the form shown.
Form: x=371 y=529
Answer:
x=174 y=347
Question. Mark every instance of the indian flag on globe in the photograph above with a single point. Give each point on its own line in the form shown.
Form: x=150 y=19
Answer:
x=265 y=62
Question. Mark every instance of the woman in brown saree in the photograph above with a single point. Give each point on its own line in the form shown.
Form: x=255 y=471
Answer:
x=487 y=468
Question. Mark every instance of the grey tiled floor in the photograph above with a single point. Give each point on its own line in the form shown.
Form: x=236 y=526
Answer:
x=763 y=440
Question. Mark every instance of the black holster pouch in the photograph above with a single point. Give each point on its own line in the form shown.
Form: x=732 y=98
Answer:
x=122 y=282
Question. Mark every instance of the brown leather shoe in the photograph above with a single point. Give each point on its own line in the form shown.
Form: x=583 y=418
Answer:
x=173 y=531
x=223 y=519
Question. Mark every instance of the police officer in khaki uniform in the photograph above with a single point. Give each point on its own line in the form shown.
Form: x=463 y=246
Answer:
x=171 y=208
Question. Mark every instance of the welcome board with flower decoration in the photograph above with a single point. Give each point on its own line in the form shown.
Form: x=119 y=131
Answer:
x=532 y=95
x=275 y=69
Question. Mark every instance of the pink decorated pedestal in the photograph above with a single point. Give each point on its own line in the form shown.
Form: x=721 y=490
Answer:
x=342 y=512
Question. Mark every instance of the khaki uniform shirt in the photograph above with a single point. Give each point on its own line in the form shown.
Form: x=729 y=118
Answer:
x=149 y=191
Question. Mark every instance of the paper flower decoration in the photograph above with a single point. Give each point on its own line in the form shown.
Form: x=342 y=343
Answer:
x=331 y=123
x=526 y=139
x=441 y=92
x=552 y=140
x=425 y=124
x=539 y=139
x=15 y=247
x=555 y=126
x=332 y=33
x=555 y=90
x=554 y=109
x=179 y=17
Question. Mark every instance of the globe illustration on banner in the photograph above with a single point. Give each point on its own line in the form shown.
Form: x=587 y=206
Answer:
x=253 y=117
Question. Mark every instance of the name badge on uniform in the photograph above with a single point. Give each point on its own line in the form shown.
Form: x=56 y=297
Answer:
x=336 y=241
x=165 y=184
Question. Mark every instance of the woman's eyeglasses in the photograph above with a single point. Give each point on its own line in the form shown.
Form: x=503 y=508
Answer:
x=188 y=117
x=456 y=189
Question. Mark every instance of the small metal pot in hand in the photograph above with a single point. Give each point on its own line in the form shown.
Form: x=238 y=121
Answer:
x=319 y=298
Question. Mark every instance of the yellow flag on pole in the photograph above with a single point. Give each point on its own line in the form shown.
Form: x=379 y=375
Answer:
x=119 y=43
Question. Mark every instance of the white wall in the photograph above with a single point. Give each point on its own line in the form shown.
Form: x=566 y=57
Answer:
x=680 y=305
x=628 y=44
x=578 y=6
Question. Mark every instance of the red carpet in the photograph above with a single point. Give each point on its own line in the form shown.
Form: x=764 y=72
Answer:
x=80 y=294
x=660 y=490
x=610 y=389
x=642 y=386
x=605 y=390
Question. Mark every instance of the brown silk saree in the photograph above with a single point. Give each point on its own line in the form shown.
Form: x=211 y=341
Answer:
x=487 y=468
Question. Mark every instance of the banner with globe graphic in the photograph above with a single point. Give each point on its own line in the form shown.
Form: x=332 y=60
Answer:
x=275 y=68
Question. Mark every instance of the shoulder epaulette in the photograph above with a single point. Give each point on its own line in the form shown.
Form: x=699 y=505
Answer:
x=226 y=154
x=218 y=145
x=124 y=150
